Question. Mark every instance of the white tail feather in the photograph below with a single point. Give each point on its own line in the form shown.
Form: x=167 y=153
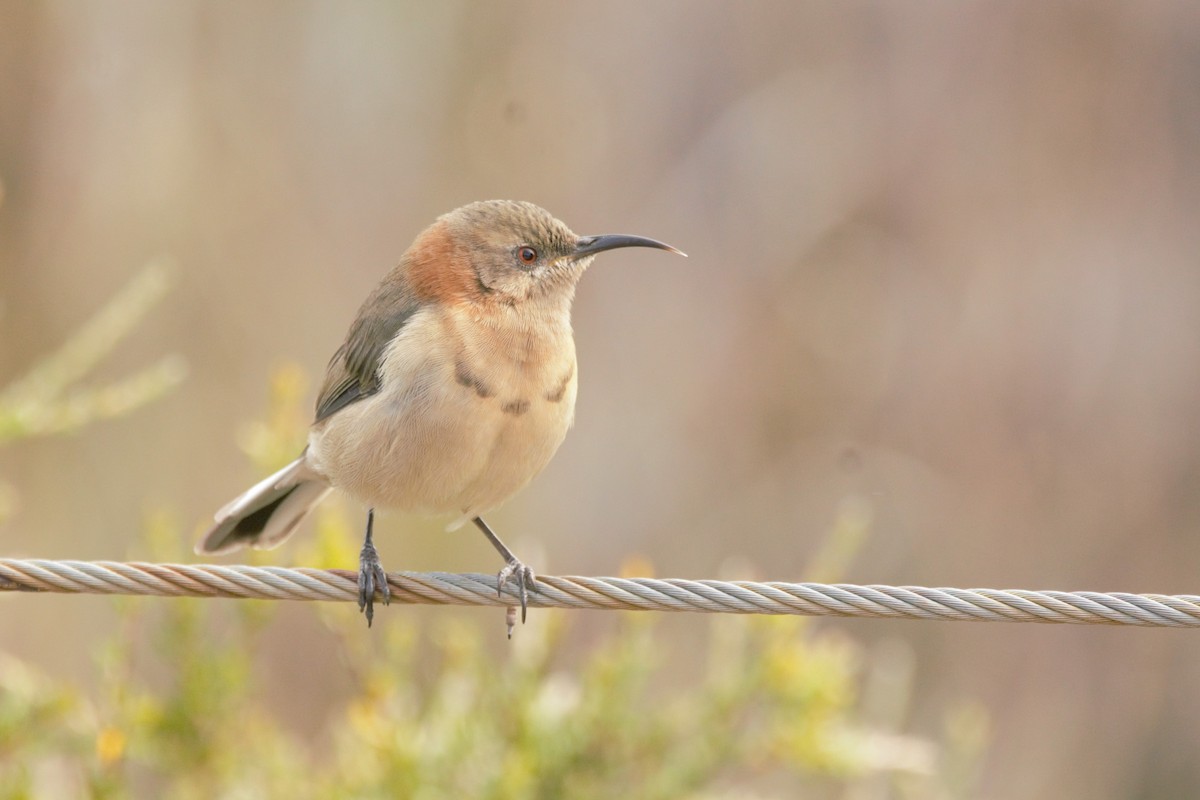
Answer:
x=285 y=498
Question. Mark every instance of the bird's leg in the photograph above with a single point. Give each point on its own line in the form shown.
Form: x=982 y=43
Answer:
x=370 y=574
x=513 y=568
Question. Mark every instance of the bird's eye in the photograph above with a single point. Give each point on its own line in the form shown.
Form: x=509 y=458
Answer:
x=527 y=255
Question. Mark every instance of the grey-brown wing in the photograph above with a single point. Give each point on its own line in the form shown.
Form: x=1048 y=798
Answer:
x=353 y=372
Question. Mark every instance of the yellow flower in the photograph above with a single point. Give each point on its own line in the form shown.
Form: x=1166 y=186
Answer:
x=110 y=745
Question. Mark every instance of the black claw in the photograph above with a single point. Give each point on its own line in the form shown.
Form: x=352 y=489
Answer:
x=524 y=603
x=366 y=592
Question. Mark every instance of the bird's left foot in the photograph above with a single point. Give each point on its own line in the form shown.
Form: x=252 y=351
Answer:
x=524 y=578
x=513 y=568
x=371 y=577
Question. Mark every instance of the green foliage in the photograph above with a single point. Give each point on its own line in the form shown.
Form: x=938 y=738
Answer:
x=439 y=716
x=180 y=707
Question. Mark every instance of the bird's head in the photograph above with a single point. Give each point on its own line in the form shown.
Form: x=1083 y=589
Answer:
x=510 y=251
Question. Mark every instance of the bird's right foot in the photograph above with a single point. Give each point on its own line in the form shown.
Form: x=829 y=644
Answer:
x=371 y=575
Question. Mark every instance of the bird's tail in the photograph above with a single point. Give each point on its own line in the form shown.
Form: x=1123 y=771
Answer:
x=266 y=513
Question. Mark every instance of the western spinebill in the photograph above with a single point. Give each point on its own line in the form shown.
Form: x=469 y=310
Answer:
x=454 y=387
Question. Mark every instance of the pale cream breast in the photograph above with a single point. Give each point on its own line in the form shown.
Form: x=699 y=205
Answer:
x=472 y=406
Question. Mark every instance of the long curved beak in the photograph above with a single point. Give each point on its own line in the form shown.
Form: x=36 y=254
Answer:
x=590 y=245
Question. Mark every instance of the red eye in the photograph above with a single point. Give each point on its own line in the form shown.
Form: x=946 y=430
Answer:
x=527 y=255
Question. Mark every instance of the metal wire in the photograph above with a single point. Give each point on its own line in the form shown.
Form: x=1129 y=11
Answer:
x=631 y=594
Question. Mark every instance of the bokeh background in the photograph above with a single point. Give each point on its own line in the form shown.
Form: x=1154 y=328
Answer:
x=943 y=269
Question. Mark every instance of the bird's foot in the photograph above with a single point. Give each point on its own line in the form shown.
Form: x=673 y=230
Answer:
x=524 y=578
x=371 y=577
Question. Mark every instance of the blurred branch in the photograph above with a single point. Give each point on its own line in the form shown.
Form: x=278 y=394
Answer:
x=35 y=405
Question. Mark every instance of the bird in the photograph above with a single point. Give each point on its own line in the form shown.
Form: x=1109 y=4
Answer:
x=454 y=387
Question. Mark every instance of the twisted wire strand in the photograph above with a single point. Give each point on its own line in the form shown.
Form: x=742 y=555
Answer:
x=633 y=594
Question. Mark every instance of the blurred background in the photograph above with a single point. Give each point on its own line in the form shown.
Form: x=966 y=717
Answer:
x=943 y=272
